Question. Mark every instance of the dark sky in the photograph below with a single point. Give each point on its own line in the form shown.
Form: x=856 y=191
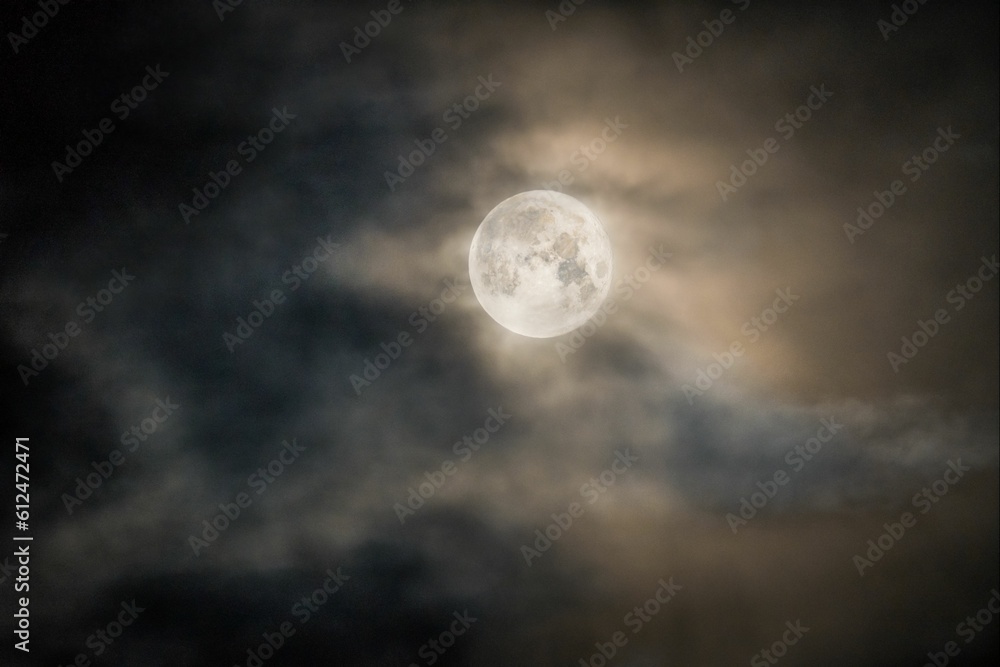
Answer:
x=839 y=377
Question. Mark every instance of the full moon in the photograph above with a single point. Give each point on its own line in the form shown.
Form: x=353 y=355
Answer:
x=540 y=264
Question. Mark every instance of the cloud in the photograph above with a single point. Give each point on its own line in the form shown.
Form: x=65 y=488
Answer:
x=656 y=185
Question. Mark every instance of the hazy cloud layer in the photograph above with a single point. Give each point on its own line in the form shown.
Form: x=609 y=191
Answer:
x=573 y=408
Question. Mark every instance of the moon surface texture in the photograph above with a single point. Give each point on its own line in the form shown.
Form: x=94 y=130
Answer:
x=540 y=264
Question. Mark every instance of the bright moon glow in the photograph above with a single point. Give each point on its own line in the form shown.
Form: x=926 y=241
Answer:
x=540 y=264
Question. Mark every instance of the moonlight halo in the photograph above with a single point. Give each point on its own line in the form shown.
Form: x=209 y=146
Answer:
x=540 y=263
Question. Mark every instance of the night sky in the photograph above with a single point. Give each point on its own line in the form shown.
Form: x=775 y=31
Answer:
x=270 y=424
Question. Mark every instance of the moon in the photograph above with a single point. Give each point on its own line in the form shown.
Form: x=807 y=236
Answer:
x=540 y=264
